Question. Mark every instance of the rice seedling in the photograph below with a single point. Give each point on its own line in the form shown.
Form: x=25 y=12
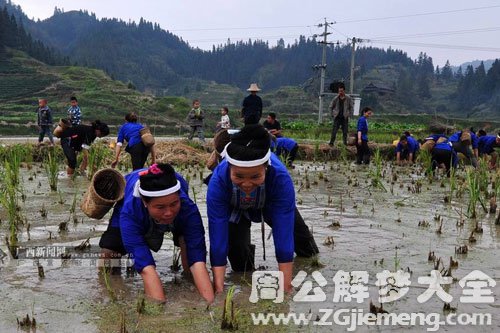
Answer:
x=13 y=158
x=43 y=211
x=194 y=194
x=229 y=315
x=376 y=173
x=41 y=272
x=377 y=309
x=316 y=151
x=123 y=323
x=425 y=158
x=315 y=263
x=72 y=209
x=452 y=186
x=10 y=201
x=474 y=193
x=106 y=274
x=448 y=308
x=52 y=169
x=329 y=241
x=97 y=155
x=343 y=154
x=27 y=323
x=175 y=267
x=483 y=175
x=397 y=261
x=285 y=159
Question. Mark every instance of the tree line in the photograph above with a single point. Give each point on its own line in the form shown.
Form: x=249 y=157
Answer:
x=14 y=35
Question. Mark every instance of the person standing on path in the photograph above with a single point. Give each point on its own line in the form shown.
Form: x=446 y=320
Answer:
x=195 y=120
x=75 y=119
x=341 y=108
x=252 y=106
x=44 y=121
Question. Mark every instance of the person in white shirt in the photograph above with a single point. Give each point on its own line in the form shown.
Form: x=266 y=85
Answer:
x=224 y=122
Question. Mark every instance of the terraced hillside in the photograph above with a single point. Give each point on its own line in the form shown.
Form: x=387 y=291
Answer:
x=23 y=80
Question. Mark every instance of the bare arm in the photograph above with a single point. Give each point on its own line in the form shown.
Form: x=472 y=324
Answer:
x=202 y=281
x=152 y=284
x=153 y=154
x=118 y=149
x=219 y=272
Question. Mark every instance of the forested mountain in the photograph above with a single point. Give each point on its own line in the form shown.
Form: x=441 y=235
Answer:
x=13 y=34
x=157 y=61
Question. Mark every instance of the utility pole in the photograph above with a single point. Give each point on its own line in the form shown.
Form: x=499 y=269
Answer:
x=322 y=67
x=353 y=51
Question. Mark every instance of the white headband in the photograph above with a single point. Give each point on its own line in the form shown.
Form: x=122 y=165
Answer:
x=138 y=190
x=498 y=136
x=246 y=164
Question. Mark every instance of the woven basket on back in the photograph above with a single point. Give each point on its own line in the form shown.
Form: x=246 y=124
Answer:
x=106 y=188
x=146 y=137
x=61 y=126
x=428 y=145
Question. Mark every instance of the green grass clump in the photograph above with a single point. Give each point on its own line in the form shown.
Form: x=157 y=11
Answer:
x=52 y=169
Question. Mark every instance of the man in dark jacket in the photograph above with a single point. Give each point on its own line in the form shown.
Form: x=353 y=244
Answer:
x=252 y=106
x=341 y=108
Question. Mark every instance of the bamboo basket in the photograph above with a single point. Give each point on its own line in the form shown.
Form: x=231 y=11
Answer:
x=428 y=145
x=146 y=137
x=106 y=188
x=61 y=126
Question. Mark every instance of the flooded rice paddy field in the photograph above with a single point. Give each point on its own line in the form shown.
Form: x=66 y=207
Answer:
x=357 y=228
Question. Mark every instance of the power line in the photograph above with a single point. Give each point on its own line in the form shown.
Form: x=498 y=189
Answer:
x=243 y=28
x=442 y=33
x=416 y=15
x=440 y=46
x=346 y=21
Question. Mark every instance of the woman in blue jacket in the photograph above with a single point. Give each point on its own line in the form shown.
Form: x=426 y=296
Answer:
x=131 y=132
x=155 y=202
x=406 y=149
x=251 y=184
x=286 y=148
x=443 y=154
x=462 y=142
x=363 y=151
x=486 y=146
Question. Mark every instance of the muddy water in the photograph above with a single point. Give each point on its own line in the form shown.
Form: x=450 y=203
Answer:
x=372 y=224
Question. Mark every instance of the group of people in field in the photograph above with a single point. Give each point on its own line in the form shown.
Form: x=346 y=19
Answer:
x=251 y=113
x=249 y=183
x=444 y=149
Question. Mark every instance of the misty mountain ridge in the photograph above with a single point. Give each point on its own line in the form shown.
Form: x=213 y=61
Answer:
x=157 y=61
x=475 y=64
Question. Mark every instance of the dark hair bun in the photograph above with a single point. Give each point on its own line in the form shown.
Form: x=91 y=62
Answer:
x=158 y=181
x=251 y=143
x=103 y=127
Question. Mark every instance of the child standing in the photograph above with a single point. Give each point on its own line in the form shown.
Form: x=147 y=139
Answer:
x=195 y=120
x=44 y=121
x=74 y=112
x=224 y=122
x=75 y=118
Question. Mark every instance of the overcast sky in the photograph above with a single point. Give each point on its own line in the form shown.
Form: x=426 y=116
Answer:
x=458 y=30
